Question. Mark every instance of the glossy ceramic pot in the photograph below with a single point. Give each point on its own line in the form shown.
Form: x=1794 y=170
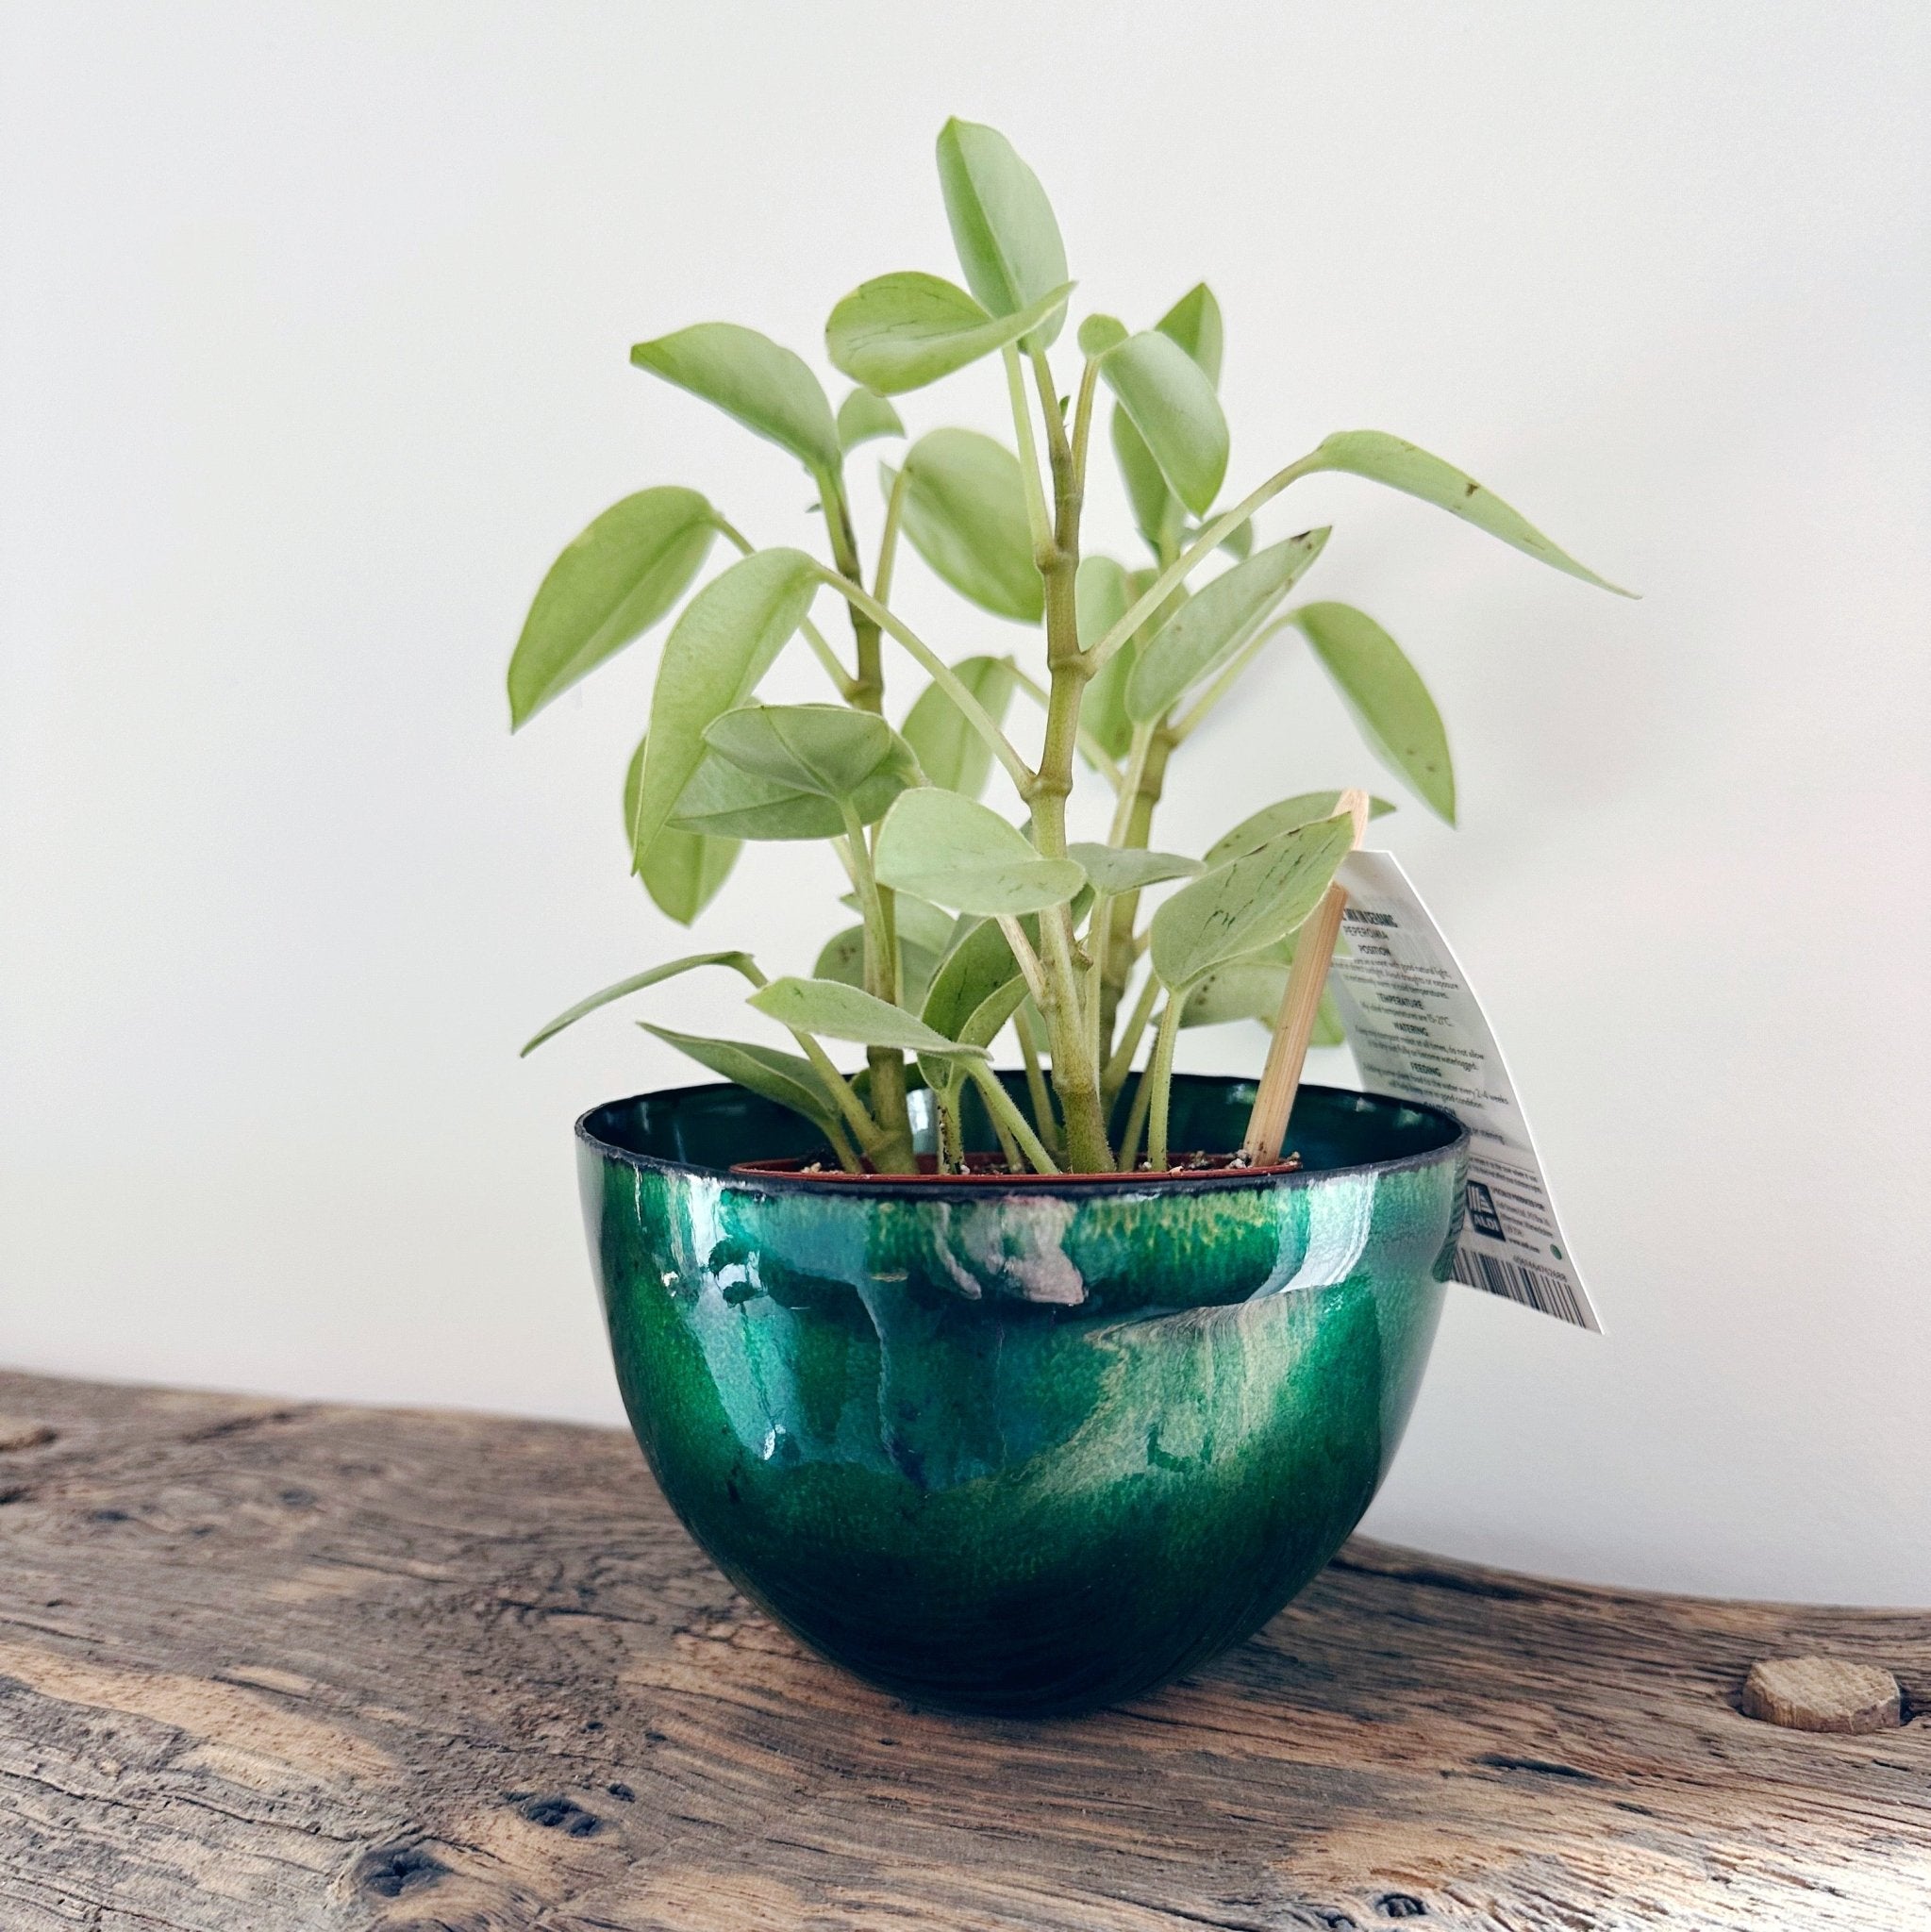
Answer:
x=1021 y=1449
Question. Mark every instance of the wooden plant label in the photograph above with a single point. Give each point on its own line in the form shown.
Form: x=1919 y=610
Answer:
x=1419 y=1032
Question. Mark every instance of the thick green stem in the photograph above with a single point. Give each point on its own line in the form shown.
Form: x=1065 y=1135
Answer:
x=1162 y=1074
x=1135 y=1121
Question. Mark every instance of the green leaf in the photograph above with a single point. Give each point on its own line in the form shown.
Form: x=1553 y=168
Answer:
x=829 y=750
x=1238 y=541
x=976 y=969
x=1099 y=333
x=950 y=751
x=843 y=958
x=1116 y=869
x=1401 y=466
x=955 y=852
x=682 y=871
x=1214 y=624
x=1002 y=224
x=902 y=331
x=1248 y=903
x=1173 y=405
x=1156 y=512
x=1386 y=693
x=717 y=651
x=724 y=800
x=636 y=983
x=827 y=1009
x=862 y=417
x=1102 y=597
x=748 y=375
x=965 y=514
x=1270 y=821
x=978 y=987
x=1253 y=989
x=1195 y=322
x=787 y=1078
x=612 y=583
x=917 y=920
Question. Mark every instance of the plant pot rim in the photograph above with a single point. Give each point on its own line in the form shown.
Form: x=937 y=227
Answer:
x=957 y=1189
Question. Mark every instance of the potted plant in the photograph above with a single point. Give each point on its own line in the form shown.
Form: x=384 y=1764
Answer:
x=1025 y=1390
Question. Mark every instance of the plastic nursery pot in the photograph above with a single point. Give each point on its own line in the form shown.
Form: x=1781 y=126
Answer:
x=1029 y=1449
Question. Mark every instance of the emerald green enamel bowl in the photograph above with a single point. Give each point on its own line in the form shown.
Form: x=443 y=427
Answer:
x=1026 y=1447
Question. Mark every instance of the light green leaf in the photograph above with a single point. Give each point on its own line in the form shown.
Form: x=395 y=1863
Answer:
x=1247 y=904
x=917 y=920
x=636 y=983
x=724 y=800
x=787 y=1078
x=977 y=988
x=965 y=514
x=717 y=651
x=902 y=331
x=1253 y=989
x=1099 y=333
x=1102 y=597
x=1002 y=224
x=843 y=958
x=1173 y=405
x=1270 y=821
x=831 y=1010
x=1238 y=541
x=682 y=871
x=1116 y=869
x=1195 y=322
x=1214 y=624
x=950 y=751
x=748 y=375
x=978 y=967
x=1387 y=696
x=1156 y=512
x=955 y=852
x=1387 y=459
x=862 y=417
x=830 y=750
x=608 y=588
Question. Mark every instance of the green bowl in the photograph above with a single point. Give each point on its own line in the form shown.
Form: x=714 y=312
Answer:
x=1021 y=1448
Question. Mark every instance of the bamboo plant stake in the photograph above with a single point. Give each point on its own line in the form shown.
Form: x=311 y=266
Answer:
x=1286 y=1053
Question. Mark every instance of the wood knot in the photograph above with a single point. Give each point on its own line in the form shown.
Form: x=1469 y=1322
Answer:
x=563 y=1814
x=1821 y=1693
x=389 y=1870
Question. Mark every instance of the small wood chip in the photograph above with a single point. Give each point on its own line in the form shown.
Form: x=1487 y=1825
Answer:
x=1821 y=1693
x=22 y=1432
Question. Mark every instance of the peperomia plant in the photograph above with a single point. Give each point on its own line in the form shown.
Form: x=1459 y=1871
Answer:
x=967 y=922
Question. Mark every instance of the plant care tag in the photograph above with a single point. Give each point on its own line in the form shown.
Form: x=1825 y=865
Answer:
x=1418 y=1031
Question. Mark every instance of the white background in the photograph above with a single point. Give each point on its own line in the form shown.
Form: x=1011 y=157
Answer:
x=315 y=324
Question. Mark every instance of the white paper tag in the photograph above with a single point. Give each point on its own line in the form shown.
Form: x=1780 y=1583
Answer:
x=1417 y=1031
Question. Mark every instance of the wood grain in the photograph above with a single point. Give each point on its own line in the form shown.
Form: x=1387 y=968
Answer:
x=279 y=1667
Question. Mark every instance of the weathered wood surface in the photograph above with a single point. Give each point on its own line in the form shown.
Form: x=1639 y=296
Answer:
x=278 y=1668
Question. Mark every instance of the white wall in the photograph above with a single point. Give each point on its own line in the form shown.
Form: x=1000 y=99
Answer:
x=314 y=354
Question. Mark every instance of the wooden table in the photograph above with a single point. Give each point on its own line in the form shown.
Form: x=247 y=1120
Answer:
x=276 y=1666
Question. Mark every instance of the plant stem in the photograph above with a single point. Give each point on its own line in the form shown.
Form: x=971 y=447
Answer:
x=1139 y=792
x=1194 y=716
x=941 y=673
x=1036 y=1080
x=888 y=541
x=1136 y=1120
x=1036 y=518
x=999 y=1105
x=1090 y=749
x=1162 y=1074
x=894 y=1152
x=868 y=687
x=945 y=1121
x=843 y=681
x=1122 y=1062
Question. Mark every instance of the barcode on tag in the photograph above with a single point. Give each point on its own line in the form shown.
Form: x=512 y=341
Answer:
x=1516 y=1281
x=1418 y=1031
